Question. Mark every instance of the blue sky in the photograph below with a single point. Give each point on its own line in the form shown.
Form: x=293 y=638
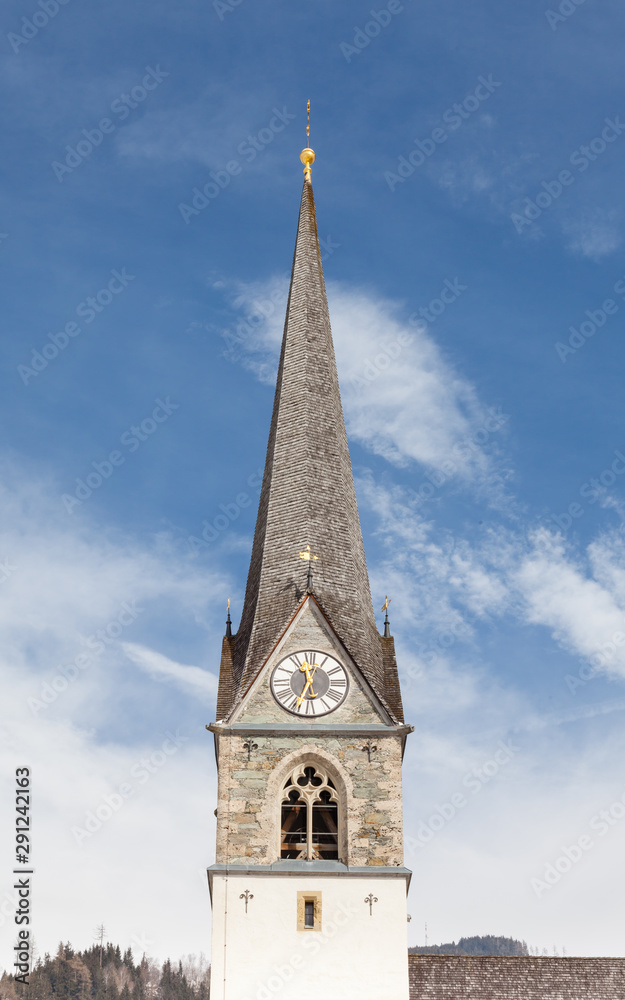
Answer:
x=468 y=180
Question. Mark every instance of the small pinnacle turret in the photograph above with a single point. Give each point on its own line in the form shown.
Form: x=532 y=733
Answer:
x=228 y=623
x=387 y=624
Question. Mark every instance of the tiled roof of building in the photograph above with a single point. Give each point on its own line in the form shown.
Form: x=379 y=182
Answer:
x=308 y=495
x=456 y=977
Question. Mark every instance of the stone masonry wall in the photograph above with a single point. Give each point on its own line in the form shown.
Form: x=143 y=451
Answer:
x=249 y=796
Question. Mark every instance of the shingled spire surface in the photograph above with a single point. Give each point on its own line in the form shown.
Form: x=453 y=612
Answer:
x=307 y=496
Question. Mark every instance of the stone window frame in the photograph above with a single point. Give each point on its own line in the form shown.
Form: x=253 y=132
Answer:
x=317 y=756
x=303 y=897
x=309 y=794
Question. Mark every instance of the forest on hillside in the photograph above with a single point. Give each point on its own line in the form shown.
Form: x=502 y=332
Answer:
x=104 y=973
x=486 y=945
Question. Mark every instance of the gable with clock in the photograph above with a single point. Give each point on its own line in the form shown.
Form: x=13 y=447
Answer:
x=308 y=890
x=320 y=691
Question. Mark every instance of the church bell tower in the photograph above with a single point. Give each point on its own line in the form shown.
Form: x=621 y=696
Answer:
x=308 y=890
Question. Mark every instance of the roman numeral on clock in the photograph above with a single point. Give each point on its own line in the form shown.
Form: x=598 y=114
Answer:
x=309 y=683
x=287 y=698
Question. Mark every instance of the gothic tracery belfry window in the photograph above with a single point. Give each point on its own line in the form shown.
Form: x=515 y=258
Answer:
x=309 y=816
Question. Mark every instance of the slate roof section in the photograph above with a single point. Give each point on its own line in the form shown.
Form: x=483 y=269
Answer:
x=307 y=496
x=227 y=688
x=391 y=677
x=456 y=977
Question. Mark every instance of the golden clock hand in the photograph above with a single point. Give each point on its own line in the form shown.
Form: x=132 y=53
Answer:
x=301 y=697
x=312 y=693
x=305 y=668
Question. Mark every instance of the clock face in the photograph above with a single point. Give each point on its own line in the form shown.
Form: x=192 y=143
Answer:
x=309 y=683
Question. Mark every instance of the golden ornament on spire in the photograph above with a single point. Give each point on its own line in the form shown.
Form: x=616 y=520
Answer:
x=307 y=156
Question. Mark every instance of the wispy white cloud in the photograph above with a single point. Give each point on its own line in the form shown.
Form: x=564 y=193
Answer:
x=71 y=591
x=451 y=582
x=596 y=235
x=402 y=399
x=580 y=601
x=191 y=679
x=214 y=129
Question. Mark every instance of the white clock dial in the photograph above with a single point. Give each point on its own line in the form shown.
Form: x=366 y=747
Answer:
x=309 y=683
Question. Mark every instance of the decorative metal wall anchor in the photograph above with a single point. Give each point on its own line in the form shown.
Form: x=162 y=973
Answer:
x=371 y=899
x=247 y=895
x=249 y=746
x=369 y=748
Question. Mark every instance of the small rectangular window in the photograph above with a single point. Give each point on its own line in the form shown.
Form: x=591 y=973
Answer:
x=308 y=910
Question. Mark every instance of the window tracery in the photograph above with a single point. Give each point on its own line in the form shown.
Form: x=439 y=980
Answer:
x=309 y=816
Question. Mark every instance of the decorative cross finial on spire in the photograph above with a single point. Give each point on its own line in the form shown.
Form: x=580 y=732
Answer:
x=387 y=626
x=309 y=557
x=307 y=156
x=228 y=623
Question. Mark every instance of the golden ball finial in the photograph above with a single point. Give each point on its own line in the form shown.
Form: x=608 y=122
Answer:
x=307 y=156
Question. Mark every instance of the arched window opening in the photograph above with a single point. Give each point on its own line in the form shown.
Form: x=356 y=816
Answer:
x=310 y=817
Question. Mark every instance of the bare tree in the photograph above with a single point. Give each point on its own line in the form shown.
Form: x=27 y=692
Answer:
x=99 y=934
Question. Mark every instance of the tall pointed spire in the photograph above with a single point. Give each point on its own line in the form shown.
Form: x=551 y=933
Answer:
x=307 y=496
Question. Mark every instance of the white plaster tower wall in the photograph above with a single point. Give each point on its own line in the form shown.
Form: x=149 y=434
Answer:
x=355 y=954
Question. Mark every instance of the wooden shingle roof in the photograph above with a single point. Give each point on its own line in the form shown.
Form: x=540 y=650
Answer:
x=457 y=977
x=308 y=497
